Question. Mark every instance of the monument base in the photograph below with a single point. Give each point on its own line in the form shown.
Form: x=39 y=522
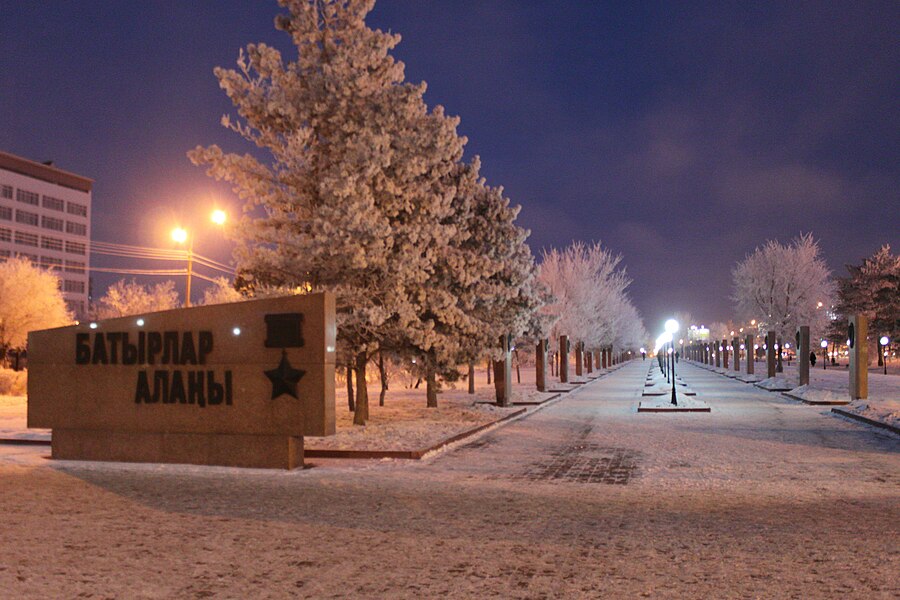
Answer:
x=224 y=450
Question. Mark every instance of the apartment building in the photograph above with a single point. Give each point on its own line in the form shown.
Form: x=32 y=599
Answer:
x=45 y=216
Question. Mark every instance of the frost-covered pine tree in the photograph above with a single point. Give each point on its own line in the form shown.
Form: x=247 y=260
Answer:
x=482 y=284
x=781 y=287
x=30 y=299
x=871 y=289
x=353 y=195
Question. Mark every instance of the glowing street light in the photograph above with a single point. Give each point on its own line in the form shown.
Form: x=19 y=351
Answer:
x=181 y=236
x=884 y=341
x=219 y=217
x=824 y=345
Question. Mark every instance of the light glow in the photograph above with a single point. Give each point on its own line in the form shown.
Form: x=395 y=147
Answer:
x=179 y=235
x=219 y=217
x=140 y=322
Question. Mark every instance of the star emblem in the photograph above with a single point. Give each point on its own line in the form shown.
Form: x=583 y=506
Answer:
x=284 y=377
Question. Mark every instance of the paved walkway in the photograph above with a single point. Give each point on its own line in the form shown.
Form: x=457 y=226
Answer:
x=587 y=498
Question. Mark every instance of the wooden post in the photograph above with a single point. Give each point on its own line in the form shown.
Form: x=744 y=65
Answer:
x=858 y=330
x=718 y=354
x=751 y=353
x=579 y=359
x=540 y=363
x=803 y=350
x=770 y=354
x=736 y=345
x=503 y=373
x=725 y=354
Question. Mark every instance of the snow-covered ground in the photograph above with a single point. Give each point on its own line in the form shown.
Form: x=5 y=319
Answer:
x=831 y=384
x=762 y=498
x=405 y=423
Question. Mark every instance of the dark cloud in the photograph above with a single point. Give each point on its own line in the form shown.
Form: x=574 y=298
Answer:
x=682 y=135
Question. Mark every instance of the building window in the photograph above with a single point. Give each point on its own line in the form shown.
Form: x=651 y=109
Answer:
x=51 y=263
x=50 y=243
x=27 y=218
x=54 y=203
x=26 y=239
x=6 y=191
x=27 y=197
x=75 y=247
x=5 y=234
x=52 y=223
x=5 y=213
x=73 y=208
x=73 y=286
x=76 y=228
x=76 y=307
x=32 y=257
x=4 y=254
x=73 y=266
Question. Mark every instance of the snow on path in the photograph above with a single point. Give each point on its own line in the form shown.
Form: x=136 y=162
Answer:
x=763 y=497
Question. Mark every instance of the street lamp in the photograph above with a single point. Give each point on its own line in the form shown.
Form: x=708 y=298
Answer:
x=824 y=346
x=884 y=342
x=180 y=236
x=671 y=329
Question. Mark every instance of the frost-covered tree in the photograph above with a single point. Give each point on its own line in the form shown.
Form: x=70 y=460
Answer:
x=781 y=287
x=589 y=299
x=354 y=198
x=221 y=292
x=30 y=299
x=482 y=285
x=871 y=289
x=125 y=298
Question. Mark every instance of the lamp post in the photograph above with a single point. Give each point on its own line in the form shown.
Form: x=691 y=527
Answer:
x=824 y=346
x=181 y=236
x=671 y=329
x=884 y=341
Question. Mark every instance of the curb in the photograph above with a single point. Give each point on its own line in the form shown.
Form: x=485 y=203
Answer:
x=409 y=454
x=816 y=402
x=23 y=442
x=865 y=420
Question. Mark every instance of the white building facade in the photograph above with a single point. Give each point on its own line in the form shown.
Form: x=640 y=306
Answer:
x=45 y=216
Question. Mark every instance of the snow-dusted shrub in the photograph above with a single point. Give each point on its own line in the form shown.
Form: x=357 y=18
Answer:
x=13 y=383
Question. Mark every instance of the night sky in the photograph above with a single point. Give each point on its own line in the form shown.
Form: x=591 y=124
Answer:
x=681 y=135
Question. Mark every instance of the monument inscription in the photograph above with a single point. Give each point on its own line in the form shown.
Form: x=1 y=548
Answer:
x=235 y=384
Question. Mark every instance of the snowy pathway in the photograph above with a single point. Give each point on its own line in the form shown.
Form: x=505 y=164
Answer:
x=762 y=497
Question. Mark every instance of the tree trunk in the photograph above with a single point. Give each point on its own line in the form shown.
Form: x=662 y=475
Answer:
x=361 y=414
x=384 y=379
x=430 y=388
x=489 y=367
x=518 y=371
x=350 y=401
x=471 y=377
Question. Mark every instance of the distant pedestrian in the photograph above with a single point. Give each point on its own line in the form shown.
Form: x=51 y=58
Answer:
x=812 y=358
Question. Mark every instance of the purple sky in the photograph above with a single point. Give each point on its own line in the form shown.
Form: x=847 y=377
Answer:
x=681 y=135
